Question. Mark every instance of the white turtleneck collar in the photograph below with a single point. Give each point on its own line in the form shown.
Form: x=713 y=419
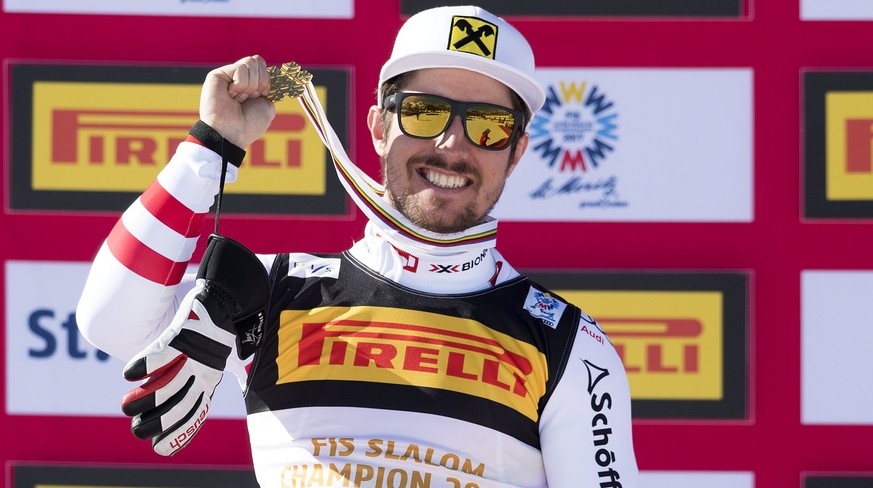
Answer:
x=431 y=270
x=400 y=250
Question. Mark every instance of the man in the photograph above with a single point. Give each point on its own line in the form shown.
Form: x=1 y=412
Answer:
x=368 y=369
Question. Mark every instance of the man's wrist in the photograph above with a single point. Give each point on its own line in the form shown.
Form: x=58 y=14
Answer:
x=203 y=134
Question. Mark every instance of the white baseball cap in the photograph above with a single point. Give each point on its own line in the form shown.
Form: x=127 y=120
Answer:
x=469 y=38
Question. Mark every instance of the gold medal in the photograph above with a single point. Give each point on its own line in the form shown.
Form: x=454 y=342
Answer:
x=287 y=80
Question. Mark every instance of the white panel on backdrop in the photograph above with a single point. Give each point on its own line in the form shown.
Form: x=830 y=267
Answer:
x=336 y=9
x=836 y=10
x=50 y=368
x=696 y=479
x=656 y=145
x=837 y=331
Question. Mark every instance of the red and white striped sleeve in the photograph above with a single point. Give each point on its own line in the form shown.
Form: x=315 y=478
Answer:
x=138 y=276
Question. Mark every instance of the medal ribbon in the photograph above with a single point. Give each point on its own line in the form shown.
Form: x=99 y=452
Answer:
x=368 y=194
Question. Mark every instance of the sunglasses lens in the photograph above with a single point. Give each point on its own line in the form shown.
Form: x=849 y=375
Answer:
x=489 y=126
x=424 y=116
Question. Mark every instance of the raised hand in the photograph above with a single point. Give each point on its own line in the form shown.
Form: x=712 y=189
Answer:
x=232 y=100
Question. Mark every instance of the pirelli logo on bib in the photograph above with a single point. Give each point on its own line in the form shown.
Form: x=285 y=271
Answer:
x=85 y=136
x=473 y=35
x=392 y=346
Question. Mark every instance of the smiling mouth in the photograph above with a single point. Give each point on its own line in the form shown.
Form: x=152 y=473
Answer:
x=442 y=180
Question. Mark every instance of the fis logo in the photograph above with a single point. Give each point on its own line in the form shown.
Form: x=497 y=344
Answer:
x=577 y=128
x=544 y=307
x=302 y=265
x=572 y=137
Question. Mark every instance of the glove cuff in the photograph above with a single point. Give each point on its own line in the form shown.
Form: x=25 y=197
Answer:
x=237 y=279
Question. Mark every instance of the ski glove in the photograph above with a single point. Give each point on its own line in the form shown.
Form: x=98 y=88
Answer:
x=184 y=365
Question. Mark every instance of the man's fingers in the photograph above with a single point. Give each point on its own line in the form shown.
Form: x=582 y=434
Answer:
x=239 y=86
x=250 y=78
x=233 y=101
x=180 y=433
x=156 y=390
x=153 y=364
x=159 y=419
x=263 y=85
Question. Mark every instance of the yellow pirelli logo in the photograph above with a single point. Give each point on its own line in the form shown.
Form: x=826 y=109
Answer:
x=671 y=342
x=849 y=145
x=403 y=347
x=116 y=137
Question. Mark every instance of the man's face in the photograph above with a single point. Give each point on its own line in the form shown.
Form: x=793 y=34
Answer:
x=444 y=184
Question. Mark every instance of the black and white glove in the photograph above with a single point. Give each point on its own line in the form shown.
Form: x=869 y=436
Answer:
x=184 y=365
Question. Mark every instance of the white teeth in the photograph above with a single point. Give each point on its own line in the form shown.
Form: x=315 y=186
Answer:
x=445 y=181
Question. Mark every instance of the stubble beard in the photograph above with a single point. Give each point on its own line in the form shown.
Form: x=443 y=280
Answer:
x=412 y=208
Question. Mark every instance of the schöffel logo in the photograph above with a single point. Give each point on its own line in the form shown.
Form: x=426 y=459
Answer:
x=601 y=404
x=385 y=345
x=573 y=136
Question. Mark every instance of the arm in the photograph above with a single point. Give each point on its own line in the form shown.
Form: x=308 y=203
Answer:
x=136 y=280
x=585 y=430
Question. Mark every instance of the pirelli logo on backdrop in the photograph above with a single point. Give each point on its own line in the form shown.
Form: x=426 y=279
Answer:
x=848 y=138
x=838 y=122
x=391 y=346
x=670 y=342
x=93 y=137
x=681 y=337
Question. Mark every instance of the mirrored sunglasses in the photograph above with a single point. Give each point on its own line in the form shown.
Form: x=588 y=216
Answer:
x=425 y=116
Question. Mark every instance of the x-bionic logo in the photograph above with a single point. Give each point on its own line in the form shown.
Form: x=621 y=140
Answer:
x=473 y=35
x=603 y=457
x=445 y=268
x=457 y=268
